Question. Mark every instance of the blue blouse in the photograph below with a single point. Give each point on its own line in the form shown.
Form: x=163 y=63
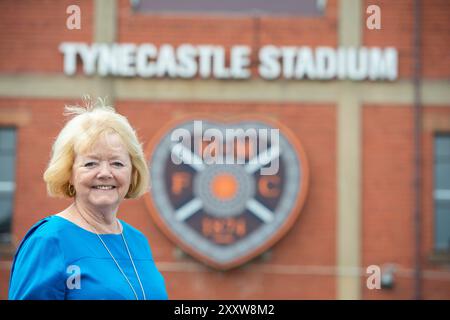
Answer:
x=59 y=260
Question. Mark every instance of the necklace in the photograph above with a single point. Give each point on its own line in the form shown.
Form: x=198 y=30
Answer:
x=115 y=261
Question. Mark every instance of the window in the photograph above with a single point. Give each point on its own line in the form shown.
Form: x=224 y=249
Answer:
x=442 y=192
x=7 y=180
x=278 y=7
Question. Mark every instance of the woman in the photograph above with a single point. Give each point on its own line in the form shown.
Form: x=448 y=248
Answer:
x=85 y=251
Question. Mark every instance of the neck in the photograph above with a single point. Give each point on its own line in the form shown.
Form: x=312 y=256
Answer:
x=101 y=221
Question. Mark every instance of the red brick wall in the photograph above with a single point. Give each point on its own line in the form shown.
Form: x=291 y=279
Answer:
x=397 y=30
x=227 y=30
x=436 y=39
x=388 y=173
x=387 y=193
x=388 y=198
x=41 y=26
x=31 y=32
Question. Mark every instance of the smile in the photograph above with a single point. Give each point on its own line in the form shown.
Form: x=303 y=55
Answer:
x=104 y=187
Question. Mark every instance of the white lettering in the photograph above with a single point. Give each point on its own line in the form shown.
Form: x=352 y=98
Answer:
x=230 y=145
x=187 y=67
x=305 y=64
x=240 y=61
x=270 y=66
x=69 y=49
x=374 y=20
x=220 y=70
x=127 y=58
x=288 y=55
x=74 y=280
x=205 y=56
x=374 y=280
x=206 y=61
x=74 y=20
x=144 y=67
x=166 y=62
x=326 y=65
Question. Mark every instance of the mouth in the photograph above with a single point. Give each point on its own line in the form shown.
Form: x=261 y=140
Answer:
x=104 y=187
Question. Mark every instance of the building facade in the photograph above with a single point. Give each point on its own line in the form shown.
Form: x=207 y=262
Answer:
x=367 y=205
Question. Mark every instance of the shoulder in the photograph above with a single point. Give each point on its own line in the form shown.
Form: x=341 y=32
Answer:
x=47 y=228
x=38 y=264
x=136 y=237
x=40 y=244
x=131 y=231
x=46 y=232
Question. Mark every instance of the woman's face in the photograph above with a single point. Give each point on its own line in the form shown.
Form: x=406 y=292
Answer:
x=102 y=175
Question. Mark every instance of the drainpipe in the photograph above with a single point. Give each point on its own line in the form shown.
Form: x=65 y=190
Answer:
x=417 y=151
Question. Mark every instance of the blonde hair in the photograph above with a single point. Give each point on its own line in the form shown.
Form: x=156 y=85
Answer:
x=89 y=123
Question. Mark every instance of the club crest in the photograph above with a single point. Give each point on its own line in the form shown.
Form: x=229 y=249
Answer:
x=226 y=191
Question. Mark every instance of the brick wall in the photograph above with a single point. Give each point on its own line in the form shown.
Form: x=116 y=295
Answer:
x=40 y=26
x=387 y=188
x=397 y=30
x=388 y=198
x=30 y=32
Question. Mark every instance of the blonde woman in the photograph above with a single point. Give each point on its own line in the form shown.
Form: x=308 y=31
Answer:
x=85 y=251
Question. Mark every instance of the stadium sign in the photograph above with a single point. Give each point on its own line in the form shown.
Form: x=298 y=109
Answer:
x=226 y=213
x=188 y=61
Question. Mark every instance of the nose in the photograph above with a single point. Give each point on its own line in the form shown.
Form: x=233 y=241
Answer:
x=104 y=171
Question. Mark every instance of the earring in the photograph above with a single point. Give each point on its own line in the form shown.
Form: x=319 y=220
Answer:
x=72 y=190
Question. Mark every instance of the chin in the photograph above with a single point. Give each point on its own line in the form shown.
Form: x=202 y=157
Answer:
x=101 y=203
x=104 y=204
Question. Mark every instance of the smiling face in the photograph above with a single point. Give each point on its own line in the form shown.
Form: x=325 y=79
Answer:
x=102 y=175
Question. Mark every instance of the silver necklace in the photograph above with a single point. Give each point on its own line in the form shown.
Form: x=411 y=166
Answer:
x=117 y=264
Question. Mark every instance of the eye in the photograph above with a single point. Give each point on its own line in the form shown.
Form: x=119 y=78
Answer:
x=118 y=164
x=89 y=164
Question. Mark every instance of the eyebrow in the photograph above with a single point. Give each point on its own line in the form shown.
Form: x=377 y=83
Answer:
x=90 y=156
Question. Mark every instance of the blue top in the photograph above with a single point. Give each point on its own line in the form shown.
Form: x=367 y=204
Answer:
x=59 y=260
